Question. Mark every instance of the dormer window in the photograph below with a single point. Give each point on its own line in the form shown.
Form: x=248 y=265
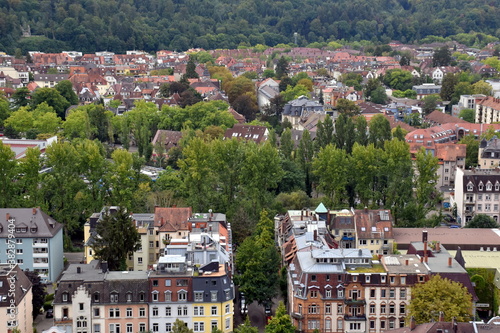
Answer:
x=497 y=186
x=489 y=186
x=480 y=186
x=65 y=297
x=34 y=229
x=113 y=297
x=96 y=297
x=470 y=187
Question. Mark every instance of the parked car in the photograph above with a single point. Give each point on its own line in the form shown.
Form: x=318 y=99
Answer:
x=267 y=309
x=49 y=313
x=243 y=304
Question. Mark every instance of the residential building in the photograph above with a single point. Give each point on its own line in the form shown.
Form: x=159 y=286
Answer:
x=469 y=101
x=489 y=154
x=49 y=80
x=362 y=229
x=16 y=299
x=426 y=89
x=19 y=146
x=450 y=157
x=488 y=110
x=258 y=134
x=38 y=241
x=266 y=90
x=300 y=109
x=477 y=191
x=88 y=298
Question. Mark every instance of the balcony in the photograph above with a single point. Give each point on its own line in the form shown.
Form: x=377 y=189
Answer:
x=355 y=301
x=40 y=245
x=63 y=321
x=40 y=254
x=357 y=317
x=40 y=265
x=297 y=315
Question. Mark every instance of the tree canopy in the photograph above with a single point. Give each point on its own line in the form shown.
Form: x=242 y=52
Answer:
x=440 y=295
x=482 y=221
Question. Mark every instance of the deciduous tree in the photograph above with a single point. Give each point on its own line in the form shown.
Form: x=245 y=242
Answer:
x=482 y=221
x=280 y=322
x=440 y=295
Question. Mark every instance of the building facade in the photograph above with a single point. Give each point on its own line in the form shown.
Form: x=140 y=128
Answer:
x=16 y=297
x=38 y=241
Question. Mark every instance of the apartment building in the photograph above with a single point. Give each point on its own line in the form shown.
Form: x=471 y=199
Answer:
x=37 y=243
x=477 y=191
x=489 y=154
x=16 y=298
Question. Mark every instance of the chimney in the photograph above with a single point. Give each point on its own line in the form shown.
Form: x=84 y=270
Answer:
x=7 y=216
x=366 y=209
x=315 y=233
x=450 y=261
x=413 y=323
x=34 y=211
x=162 y=221
x=441 y=316
x=407 y=262
x=438 y=247
x=424 y=239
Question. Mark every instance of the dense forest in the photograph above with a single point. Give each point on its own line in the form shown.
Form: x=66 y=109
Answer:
x=151 y=25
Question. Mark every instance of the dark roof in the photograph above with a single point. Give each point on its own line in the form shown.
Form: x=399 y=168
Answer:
x=438 y=118
x=38 y=223
x=247 y=132
x=22 y=285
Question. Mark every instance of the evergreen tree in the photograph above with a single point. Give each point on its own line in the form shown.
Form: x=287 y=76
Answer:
x=281 y=68
x=191 y=69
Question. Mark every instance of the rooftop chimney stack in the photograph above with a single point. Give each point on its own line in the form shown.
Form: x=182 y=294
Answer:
x=424 y=239
x=413 y=323
x=441 y=316
x=450 y=262
x=34 y=211
x=7 y=216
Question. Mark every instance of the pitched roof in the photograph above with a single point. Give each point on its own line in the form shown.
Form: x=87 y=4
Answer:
x=172 y=218
x=438 y=118
x=37 y=222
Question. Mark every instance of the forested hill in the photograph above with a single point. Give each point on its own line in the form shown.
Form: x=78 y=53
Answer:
x=150 y=25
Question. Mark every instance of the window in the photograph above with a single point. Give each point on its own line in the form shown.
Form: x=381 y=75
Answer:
x=487 y=207
x=168 y=327
x=182 y=283
x=129 y=328
x=382 y=324
x=367 y=278
x=313 y=277
x=340 y=293
x=114 y=298
x=392 y=309
x=199 y=311
x=382 y=278
x=97 y=312
x=354 y=278
x=199 y=326
x=214 y=324
x=392 y=293
x=139 y=260
x=179 y=311
x=495 y=207
x=97 y=328
x=402 y=294
x=313 y=309
x=328 y=308
x=354 y=326
x=151 y=244
x=142 y=327
x=168 y=311
x=19 y=251
x=392 y=279
x=20 y=261
x=65 y=297
x=80 y=306
x=372 y=324
x=383 y=293
x=129 y=312
x=362 y=242
x=155 y=327
x=479 y=207
x=328 y=293
x=340 y=309
x=314 y=293
x=372 y=308
x=402 y=309
x=213 y=296
x=142 y=312
x=114 y=328
x=168 y=296
x=155 y=283
x=391 y=323
x=372 y=293
x=168 y=283
x=213 y=311
x=182 y=295
x=114 y=313
x=185 y=311
x=155 y=296
x=313 y=324
x=382 y=308
x=228 y=323
x=340 y=324
x=328 y=324
x=403 y=279
x=227 y=309
x=198 y=296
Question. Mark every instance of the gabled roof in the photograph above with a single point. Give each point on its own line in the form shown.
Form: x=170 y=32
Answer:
x=46 y=226
x=172 y=218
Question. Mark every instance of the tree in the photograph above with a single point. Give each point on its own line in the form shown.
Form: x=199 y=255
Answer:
x=65 y=88
x=450 y=80
x=441 y=57
x=191 y=69
x=246 y=105
x=180 y=327
x=347 y=107
x=268 y=73
x=379 y=95
x=345 y=135
x=286 y=144
x=20 y=120
x=20 y=97
x=482 y=221
x=53 y=98
x=430 y=103
x=281 y=68
x=440 y=295
x=280 y=322
x=77 y=125
x=246 y=327
x=258 y=263
x=7 y=174
x=427 y=196
x=292 y=93
x=471 y=150
x=398 y=79
x=468 y=115
x=331 y=167
x=404 y=60
x=305 y=153
x=361 y=130
x=38 y=290
x=482 y=87
x=380 y=130
x=324 y=133
x=118 y=238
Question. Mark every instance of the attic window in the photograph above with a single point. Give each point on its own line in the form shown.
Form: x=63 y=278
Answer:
x=497 y=186
x=489 y=186
x=22 y=229
x=34 y=229
x=363 y=229
x=386 y=229
x=480 y=187
x=470 y=187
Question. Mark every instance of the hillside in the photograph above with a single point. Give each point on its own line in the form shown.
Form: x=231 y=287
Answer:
x=150 y=25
